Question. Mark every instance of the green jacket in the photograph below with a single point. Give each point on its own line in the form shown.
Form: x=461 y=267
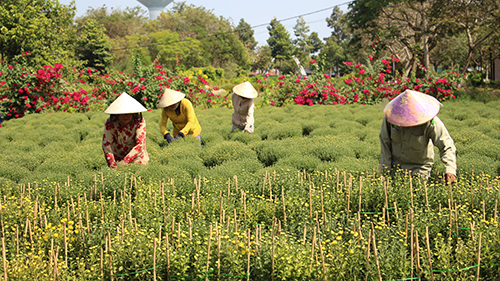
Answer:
x=412 y=148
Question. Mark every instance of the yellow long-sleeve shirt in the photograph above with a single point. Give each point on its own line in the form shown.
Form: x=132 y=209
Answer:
x=186 y=122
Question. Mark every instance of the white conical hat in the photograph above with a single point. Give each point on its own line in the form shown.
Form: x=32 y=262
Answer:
x=125 y=104
x=411 y=108
x=170 y=97
x=245 y=90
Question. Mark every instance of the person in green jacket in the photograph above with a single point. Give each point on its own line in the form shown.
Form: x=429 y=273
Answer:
x=409 y=132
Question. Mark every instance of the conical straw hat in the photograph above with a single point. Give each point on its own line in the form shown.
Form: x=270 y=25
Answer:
x=411 y=108
x=245 y=90
x=170 y=97
x=125 y=104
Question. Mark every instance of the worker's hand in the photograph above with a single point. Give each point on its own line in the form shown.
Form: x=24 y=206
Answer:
x=450 y=178
x=180 y=135
x=168 y=137
x=121 y=164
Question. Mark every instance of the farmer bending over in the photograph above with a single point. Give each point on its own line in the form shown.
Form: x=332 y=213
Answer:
x=409 y=132
x=124 y=137
x=181 y=112
x=243 y=95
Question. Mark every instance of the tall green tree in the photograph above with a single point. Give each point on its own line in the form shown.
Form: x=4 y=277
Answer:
x=478 y=20
x=166 y=47
x=279 y=41
x=408 y=29
x=337 y=49
x=42 y=27
x=245 y=34
x=263 y=58
x=316 y=42
x=226 y=51
x=301 y=31
x=94 y=46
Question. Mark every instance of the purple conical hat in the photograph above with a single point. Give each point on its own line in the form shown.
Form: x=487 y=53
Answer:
x=411 y=108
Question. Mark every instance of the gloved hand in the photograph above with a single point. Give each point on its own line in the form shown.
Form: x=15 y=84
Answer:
x=180 y=135
x=168 y=137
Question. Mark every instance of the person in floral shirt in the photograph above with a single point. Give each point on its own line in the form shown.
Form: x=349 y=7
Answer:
x=124 y=137
x=180 y=110
x=243 y=95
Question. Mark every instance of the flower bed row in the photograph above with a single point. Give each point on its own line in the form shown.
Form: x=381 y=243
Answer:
x=63 y=88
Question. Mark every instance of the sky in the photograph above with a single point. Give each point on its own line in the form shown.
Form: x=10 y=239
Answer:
x=257 y=13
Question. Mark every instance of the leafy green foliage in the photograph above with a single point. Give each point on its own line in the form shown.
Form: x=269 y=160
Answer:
x=43 y=28
x=271 y=202
x=94 y=46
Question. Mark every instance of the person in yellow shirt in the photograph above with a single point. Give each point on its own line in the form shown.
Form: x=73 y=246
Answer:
x=180 y=110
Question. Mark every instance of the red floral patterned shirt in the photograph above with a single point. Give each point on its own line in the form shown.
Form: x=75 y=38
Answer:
x=125 y=143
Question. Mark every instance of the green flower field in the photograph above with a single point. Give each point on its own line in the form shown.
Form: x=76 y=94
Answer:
x=299 y=199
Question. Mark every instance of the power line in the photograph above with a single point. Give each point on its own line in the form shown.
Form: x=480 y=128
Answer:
x=252 y=27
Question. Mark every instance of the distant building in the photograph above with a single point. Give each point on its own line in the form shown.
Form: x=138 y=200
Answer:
x=155 y=6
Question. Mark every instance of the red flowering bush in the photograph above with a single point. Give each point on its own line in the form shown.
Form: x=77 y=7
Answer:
x=23 y=91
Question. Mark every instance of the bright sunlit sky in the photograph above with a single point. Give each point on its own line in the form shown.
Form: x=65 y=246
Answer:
x=258 y=13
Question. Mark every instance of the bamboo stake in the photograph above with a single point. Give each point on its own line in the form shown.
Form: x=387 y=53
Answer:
x=411 y=250
x=235 y=221
x=248 y=255
x=102 y=206
x=348 y=194
x=376 y=254
x=221 y=215
x=368 y=255
x=360 y=193
x=310 y=202
x=313 y=248
x=244 y=205
x=154 y=259
x=159 y=237
x=495 y=212
x=484 y=211
x=56 y=272
x=168 y=257
x=264 y=184
x=396 y=210
x=450 y=217
x=218 y=255
x=4 y=259
x=17 y=240
x=102 y=264
x=283 y=199
x=190 y=229
x=272 y=255
x=270 y=188
x=65 y=247
x=110 y=258
x=418 y=253
x=411 y=190
x=235 y=178
x=429 y=250
x=479 y=257
x=345 y=179
x=55 y=196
